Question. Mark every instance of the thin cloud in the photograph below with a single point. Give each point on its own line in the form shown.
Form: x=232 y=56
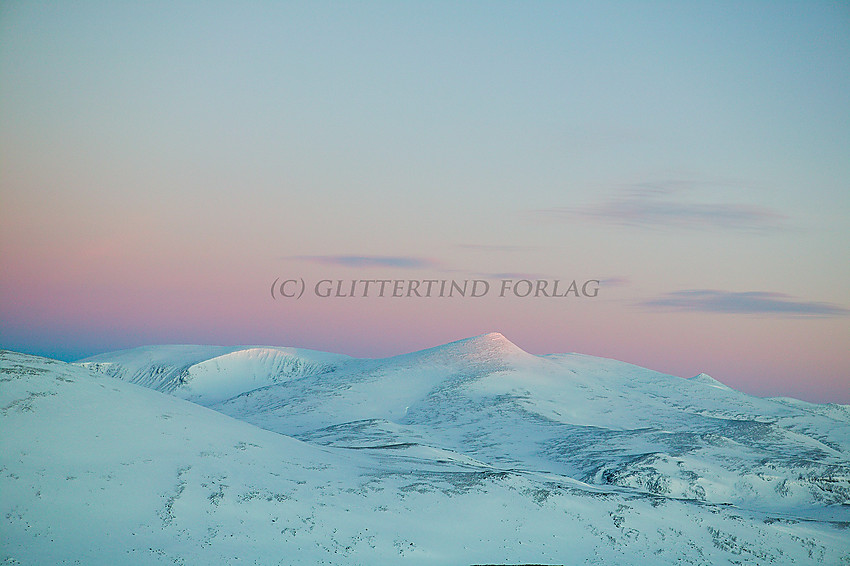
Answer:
x=751 y=302
x=496 y=248
x=509 y=275
x=364 y=261
x=615 y=282
x=663 y=205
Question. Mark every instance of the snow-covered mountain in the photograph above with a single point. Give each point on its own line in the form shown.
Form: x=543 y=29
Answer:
x=595 y=420
x=209 y=374
x=472 y=452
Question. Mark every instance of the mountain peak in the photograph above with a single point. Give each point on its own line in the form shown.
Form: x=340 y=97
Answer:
x=495 y=337
x=706 y=379
x=492 y=343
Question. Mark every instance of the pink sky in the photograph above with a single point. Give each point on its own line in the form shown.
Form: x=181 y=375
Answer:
x=157 y=176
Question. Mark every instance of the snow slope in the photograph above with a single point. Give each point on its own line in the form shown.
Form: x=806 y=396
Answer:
x=473 y=452
x=594 y=420
x=208 y=374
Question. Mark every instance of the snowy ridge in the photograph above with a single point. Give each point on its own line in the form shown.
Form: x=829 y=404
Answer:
x=474 y=452
x=156 y=367
x=209 y=374
x=706 y=379
x=593 y=420
x=491 y=348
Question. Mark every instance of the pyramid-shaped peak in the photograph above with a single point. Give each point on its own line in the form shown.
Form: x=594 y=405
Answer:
x=495 y=338
x=492 y=342
x=706 y=379
x=486 y=337
x=488 y=348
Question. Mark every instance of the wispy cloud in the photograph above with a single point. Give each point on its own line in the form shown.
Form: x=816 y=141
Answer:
x=398 y=262
x=497 y=248
x=614 y=281
x=670 y=204
x=509 y=275
x=750 y=302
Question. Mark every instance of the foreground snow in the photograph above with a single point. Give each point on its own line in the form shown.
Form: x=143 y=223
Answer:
x=470 y=453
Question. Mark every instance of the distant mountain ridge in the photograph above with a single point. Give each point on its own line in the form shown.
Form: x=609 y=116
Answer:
x=598 y=421
x=473 y=452
x=206 y=374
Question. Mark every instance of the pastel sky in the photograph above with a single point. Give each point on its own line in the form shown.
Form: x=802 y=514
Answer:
x=163 y=163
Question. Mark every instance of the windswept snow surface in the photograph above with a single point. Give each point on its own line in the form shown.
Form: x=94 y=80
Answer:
x=473 y=452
